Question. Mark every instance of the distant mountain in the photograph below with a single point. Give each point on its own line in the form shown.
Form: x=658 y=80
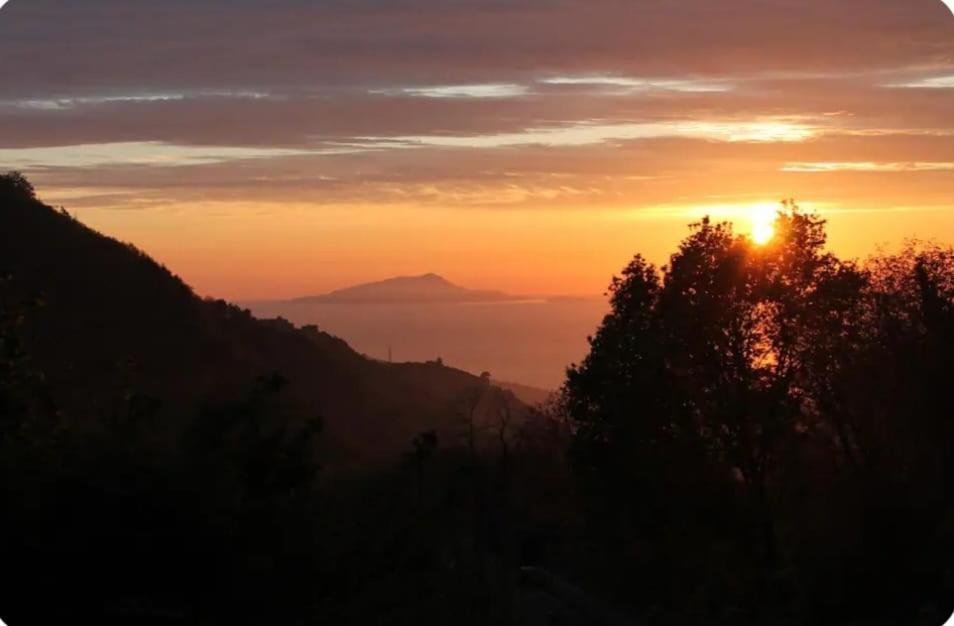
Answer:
x=427 y=288
x=113 y=322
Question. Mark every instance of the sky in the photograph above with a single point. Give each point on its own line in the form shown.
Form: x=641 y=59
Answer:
x=275 y=148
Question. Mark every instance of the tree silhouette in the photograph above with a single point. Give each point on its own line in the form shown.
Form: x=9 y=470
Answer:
x=735 y=383
x=15 y=184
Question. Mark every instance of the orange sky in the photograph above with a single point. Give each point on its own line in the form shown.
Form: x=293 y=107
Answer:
x=521 y=145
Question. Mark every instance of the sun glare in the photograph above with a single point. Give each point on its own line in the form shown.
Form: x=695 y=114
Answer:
x=756 y=220
x=762 y=223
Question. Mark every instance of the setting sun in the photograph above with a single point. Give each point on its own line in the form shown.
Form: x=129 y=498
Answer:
x=756 y=220
x=762 y=224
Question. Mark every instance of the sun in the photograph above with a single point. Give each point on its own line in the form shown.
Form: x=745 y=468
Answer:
x=762 y=223
x=762 y=233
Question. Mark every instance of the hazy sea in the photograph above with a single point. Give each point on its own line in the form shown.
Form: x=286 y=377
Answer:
x=530 y=342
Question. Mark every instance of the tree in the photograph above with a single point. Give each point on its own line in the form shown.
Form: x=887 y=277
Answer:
x=17 y=185
x=703 y=378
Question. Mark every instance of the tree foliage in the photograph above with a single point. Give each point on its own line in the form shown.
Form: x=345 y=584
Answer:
x=743 y=393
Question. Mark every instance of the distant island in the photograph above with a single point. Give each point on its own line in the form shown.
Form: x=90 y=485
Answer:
x=426 y=288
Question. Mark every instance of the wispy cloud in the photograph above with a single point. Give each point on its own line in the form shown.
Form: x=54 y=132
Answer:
x=931 y=82
x=868 y=166
x=625 y=84
x=142 y=153
x=71 y=102
x=584 y=134
x=484 y=90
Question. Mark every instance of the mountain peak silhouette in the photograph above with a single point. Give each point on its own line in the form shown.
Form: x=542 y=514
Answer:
x=431 y=276
x=423 y=288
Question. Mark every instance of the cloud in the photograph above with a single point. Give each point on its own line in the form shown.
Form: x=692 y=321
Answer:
x=868 y=166
x=141 y=153
x=487 y=90
x=931 y=82
x=484 y=101
x=182 y=44
x=74 y=101
x=585 y=134
x=623 y=84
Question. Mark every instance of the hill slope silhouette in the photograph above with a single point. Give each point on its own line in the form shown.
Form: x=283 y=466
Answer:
x=113 y=321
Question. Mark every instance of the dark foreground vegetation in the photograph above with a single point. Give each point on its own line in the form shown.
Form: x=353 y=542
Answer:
x=760 y=435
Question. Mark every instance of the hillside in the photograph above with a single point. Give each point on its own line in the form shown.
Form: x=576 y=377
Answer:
x=416 y=289
x=114 y=322
x=527 y=394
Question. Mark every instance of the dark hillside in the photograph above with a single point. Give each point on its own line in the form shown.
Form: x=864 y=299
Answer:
x=112 y=321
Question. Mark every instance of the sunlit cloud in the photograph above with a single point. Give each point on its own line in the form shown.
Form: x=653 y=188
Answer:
x=629 y=85
x=463 y=194
x=71 y=102
x=933 y=82
x=141 y=153
x=584 y=134
x=868 y=166
x=896 y=132
x=485 y=90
